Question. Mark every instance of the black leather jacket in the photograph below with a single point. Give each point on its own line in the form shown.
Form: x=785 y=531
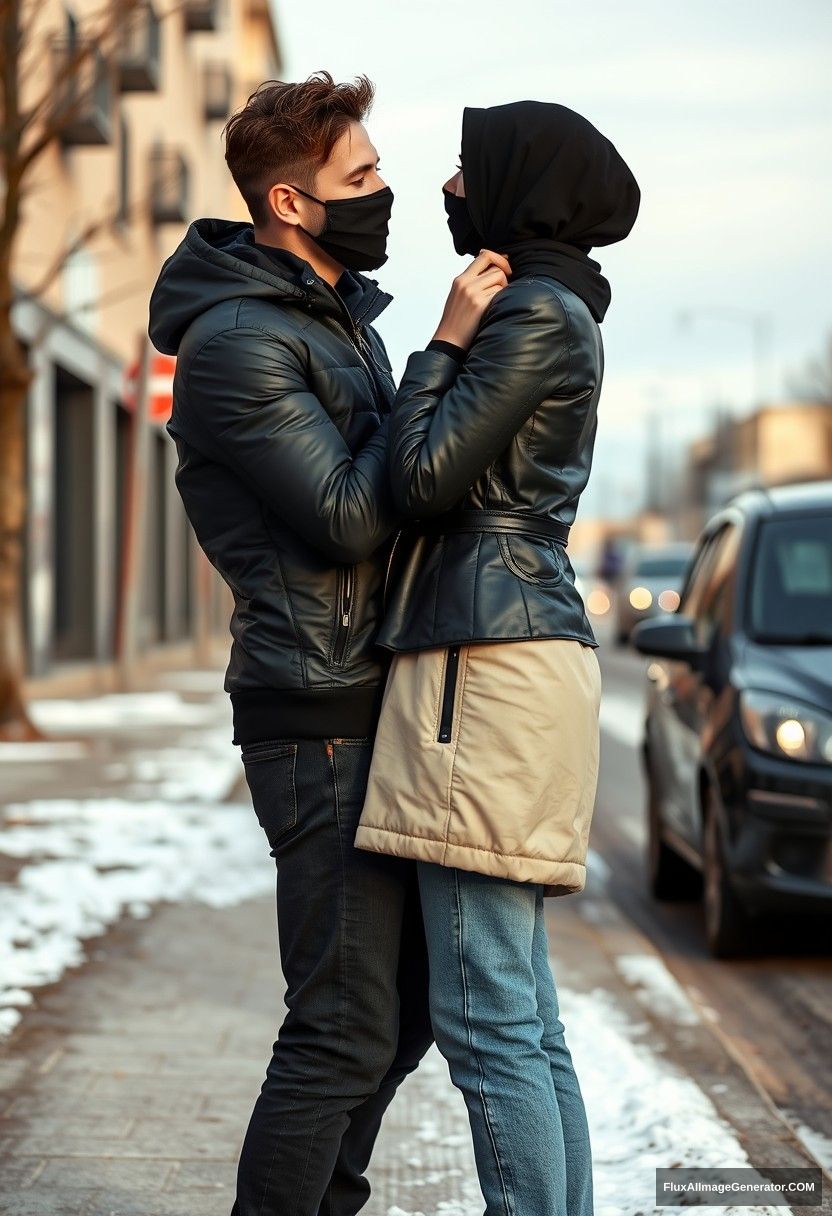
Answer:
x=280 y=403
x=511 y=428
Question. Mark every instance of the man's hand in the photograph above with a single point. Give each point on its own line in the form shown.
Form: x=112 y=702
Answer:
x=470 y=294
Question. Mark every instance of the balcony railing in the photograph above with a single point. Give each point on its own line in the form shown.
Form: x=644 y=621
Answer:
x=216 y=90
x=139 y=53
x=84 y=92
x=169 y=185
x=201 y=15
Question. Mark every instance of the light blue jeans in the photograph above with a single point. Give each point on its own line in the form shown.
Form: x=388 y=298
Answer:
x=495 y=1015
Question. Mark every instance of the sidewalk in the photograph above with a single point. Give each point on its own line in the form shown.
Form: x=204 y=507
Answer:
x=127 y=1083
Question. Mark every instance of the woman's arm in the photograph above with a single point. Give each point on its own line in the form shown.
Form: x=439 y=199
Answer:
x=450 y=421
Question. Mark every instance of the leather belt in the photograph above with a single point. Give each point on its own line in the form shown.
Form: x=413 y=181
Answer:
x=525 y=522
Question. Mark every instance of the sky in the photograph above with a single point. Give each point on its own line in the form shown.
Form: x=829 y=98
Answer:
x=723 y=111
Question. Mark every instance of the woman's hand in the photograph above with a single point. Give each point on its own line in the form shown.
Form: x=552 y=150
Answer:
x=471 y=293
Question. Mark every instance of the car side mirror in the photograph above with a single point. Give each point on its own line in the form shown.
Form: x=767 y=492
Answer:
x=670 y=637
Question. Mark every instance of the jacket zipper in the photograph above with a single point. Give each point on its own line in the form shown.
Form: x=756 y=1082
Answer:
x=362 y=345
x=346 y=587
x=379 y=366
x=448 y=694
x=359 y=342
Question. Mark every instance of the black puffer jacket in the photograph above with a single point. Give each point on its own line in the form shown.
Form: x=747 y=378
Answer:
x=509 y=429
x=280 y=404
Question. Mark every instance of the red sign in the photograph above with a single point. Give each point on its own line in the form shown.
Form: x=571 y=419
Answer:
x=160 y=388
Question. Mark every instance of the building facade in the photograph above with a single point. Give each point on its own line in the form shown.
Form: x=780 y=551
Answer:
x=137 y=164
x=778 y=443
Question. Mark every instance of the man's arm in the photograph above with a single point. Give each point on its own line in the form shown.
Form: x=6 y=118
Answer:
x=248 y=396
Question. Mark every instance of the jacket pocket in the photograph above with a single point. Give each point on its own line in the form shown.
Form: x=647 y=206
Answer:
x=534 y=559
x=345 y=598
x=448 y=696
x=270 y=776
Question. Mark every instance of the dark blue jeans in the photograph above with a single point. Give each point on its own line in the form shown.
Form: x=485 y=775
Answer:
x=354 y=959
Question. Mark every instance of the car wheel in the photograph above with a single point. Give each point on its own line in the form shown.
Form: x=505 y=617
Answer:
x=727 y=924
x=670 y=876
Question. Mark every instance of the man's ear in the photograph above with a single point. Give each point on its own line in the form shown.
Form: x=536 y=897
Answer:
x=282 y=203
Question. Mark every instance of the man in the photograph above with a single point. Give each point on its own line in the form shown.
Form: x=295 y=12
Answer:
x=281 y=397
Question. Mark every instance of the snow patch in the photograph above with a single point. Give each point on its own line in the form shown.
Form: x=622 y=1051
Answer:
x=657 y=988
x=94 y=861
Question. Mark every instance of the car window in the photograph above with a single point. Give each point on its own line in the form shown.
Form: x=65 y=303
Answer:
x=661 y=567
x=791 y=580
x=697 y=578
x=711 y=610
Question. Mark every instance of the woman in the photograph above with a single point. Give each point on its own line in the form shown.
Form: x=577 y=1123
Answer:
x=485 y=762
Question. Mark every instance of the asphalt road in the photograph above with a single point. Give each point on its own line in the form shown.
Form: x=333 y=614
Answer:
x=773 y=1011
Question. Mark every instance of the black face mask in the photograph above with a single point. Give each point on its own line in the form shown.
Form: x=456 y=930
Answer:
x=465 y=236
x=355 y=229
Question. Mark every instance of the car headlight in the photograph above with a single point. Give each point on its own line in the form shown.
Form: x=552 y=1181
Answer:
x=641 y=598
x=784 y=727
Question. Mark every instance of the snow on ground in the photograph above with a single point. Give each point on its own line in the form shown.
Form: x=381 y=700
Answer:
x=92 y=860
x=114 y=711
x=25 y=753
x=657 y=988
x=643 y=1114
x=819 y=1146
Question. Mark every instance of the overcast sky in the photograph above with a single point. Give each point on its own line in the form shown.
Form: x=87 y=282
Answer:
x=722 y=109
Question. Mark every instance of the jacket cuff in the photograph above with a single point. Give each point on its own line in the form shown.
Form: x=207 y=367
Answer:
x=447 y=348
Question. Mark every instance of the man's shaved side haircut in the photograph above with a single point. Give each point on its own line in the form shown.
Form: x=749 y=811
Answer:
x=286 y=132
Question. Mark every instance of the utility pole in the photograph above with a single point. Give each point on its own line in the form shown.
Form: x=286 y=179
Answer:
x=133 y=547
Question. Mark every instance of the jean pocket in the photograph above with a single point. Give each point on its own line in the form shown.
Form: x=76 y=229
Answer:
x=270 y=776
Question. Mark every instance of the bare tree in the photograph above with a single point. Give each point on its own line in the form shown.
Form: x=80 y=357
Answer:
x=43 y=93
x=814 y=381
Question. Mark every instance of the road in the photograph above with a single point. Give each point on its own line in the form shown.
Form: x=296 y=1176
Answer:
x=773 y=1012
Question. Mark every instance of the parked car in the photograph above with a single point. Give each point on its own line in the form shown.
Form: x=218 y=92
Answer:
x=649 y=584
x=738 y=735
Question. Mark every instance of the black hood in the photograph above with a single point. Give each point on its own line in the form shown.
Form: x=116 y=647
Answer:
x=217 y=260
x=544 y=186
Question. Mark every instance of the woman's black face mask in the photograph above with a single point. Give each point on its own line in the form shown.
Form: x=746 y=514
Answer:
x=465 y=236
x=355 y=229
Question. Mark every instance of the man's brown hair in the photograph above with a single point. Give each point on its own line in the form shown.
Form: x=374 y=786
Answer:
x=287 y=132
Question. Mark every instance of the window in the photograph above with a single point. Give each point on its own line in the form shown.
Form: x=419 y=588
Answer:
x=711 y=612
x=696 y=581
x=791 y=581
x=662 y=567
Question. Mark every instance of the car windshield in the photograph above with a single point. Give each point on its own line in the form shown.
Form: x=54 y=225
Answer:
x=661 y=567
x=791 y=581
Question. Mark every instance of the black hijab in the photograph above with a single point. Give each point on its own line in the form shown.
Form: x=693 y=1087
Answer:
x=543 y=186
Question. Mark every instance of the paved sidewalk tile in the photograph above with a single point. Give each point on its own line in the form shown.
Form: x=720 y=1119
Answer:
x=113 y=1108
